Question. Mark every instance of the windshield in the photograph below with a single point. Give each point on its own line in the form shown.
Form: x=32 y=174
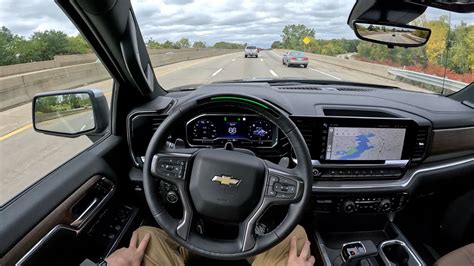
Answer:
x=296 y=53
x=195 y=42
x=221 y=29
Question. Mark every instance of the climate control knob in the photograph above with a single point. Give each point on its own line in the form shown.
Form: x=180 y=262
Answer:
x=385 y=205
x=348 y=206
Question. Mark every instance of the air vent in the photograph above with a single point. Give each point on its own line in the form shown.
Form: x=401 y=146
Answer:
x=142 y=127
x=421 y=143
x=156 y=121
x=355 y=89
x=306 y=129
x=300 y=88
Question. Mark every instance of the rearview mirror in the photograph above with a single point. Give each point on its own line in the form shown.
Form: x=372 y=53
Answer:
x=391 y=34
x=70 y=113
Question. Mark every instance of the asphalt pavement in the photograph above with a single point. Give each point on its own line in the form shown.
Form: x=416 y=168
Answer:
x=26 y=155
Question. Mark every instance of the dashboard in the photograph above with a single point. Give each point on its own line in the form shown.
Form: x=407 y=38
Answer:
x=359 y=138
x=362 y=141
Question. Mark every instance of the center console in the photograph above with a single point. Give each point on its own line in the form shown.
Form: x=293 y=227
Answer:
x=371 y=240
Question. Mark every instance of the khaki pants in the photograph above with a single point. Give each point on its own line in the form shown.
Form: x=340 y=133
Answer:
x=164 y=251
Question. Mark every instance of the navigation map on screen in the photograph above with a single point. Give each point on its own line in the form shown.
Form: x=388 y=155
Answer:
x=352 y=143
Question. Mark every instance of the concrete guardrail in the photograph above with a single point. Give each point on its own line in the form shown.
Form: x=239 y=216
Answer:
x=18 y=89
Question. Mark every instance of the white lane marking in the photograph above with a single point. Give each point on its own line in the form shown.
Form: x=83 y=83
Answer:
x=233 y=60
x=273 y=73
x=324 y=73
x=82 y=128
x=276 y=54
x=261 y=59
x=254 y=78
x=217 y=72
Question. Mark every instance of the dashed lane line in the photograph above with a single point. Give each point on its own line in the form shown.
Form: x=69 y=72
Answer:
x=324 y=73
x=217 y=72
x=273 y=73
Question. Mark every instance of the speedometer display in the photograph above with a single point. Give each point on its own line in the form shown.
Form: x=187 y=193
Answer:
x=241 y=130
x=204 y=129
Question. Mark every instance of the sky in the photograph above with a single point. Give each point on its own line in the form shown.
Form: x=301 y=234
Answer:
x=257 y=22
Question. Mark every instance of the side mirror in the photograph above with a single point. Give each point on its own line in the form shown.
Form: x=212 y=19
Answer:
x=391 y=34
x=71 y=113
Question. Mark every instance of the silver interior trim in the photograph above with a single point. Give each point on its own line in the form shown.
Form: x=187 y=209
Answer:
x=387 y=163
x=400 y=183
x=43 y=240
x=322 y=248
x=401 y=243
x=350 y=243
x=87 y=215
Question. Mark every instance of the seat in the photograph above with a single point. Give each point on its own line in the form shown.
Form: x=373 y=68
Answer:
x=460 y=257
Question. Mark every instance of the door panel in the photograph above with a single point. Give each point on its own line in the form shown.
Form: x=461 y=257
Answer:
x=50 y=201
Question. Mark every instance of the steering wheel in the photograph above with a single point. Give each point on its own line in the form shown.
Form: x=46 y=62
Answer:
x=226 y=185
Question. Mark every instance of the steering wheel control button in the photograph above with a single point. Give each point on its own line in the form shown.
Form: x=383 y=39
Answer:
x=270 y=192
x=171 y=167
x=287 y=181
x=273 y=180
x=284 y=196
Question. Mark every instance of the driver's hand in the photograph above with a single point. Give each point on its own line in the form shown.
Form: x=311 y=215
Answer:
x=304 y=259
x=131 y=256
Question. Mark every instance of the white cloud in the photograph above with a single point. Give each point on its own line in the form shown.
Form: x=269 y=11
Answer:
x=252 y=21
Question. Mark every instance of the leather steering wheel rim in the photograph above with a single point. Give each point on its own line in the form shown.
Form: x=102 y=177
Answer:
x=250 y=244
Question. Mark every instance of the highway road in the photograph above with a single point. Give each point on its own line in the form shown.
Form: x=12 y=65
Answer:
x=72 y=123
x=26 y=156
x=397 y=37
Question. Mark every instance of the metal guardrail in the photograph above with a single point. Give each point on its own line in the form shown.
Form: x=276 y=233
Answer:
x=436 y=81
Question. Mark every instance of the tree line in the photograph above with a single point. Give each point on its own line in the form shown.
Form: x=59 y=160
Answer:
x=41 y=46
x=452 y=48
x=185 y=43
x=44 y=45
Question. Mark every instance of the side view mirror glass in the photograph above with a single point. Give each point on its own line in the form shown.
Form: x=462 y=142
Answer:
x=392 y=34
x=70 y=113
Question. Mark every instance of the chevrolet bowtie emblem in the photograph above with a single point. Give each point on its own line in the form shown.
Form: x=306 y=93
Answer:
x=226 y=180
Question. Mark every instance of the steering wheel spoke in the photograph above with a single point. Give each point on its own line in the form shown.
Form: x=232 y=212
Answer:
x=283 y=185
x=172 y=166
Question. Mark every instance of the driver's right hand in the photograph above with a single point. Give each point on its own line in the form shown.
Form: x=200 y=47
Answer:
x=304 y=258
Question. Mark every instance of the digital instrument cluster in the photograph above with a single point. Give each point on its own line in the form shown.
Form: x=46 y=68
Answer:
x=243 y=130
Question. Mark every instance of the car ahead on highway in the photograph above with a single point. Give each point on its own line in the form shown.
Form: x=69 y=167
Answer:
x=223 y=158
x=251 y=51
x=295 y=58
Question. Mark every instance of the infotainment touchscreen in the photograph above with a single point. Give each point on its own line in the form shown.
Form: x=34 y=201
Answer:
x=364 y=143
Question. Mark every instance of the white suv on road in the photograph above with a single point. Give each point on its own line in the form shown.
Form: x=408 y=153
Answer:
x=251 y=51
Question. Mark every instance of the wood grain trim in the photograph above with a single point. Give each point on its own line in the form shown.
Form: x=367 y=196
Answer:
x=452 y=140
x=60 y=215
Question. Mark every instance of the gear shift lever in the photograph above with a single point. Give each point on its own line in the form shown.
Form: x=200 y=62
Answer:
x=353 y=252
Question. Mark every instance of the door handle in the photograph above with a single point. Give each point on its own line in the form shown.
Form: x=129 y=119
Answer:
x=85 y=214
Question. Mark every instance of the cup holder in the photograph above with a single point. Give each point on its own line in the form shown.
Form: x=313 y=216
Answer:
x=396 y=252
